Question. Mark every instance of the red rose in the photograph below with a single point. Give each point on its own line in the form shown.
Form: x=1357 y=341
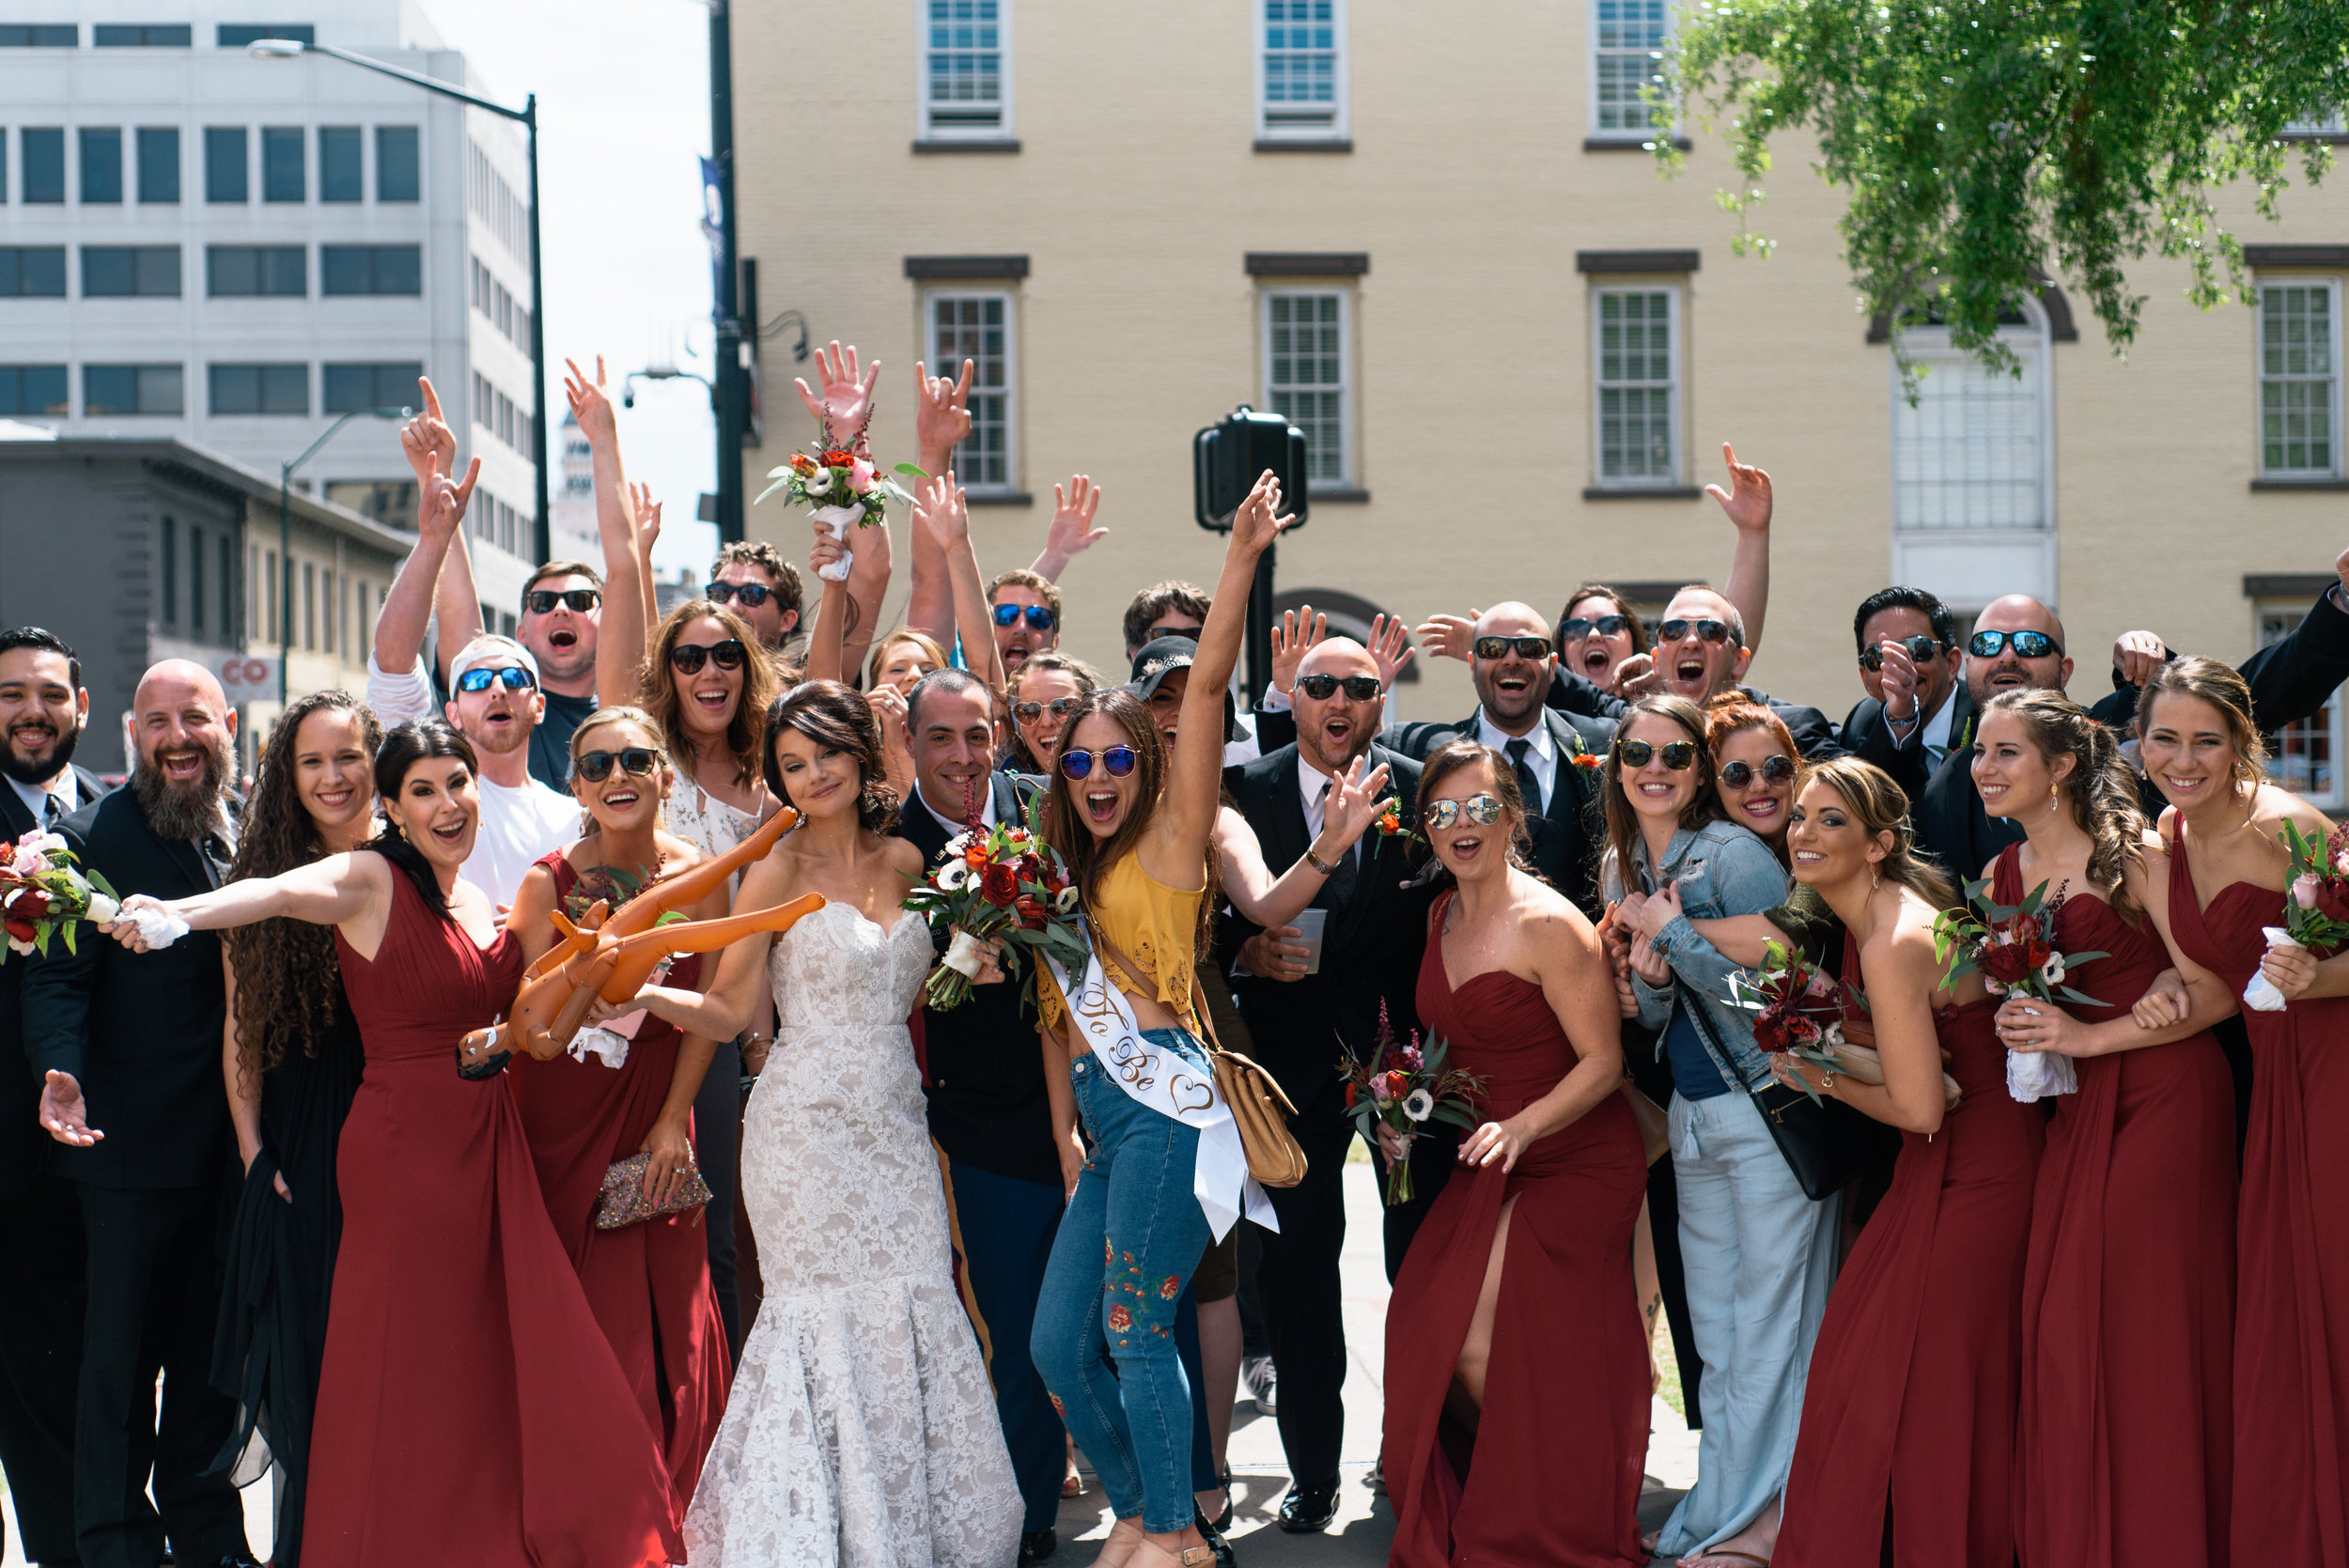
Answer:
x=1120 y=1319
x=1771 y=1035
x=998 y=884
x=2008 y=963
x=1031 y=913
x=22 y=930
x=32 y=904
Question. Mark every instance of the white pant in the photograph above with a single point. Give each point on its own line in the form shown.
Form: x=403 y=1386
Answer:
x=1759 y=1257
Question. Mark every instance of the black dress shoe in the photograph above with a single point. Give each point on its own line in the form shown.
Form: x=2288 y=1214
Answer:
x=1037 y=1544
x=1308 y=1509
x=1212 y=1536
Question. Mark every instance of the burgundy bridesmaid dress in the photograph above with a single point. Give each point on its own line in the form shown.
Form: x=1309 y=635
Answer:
x=649 y=1284
x=2292 y=1296
x=1552 y=1474
x=2124 y=1449
x=1907 y=1449
x=470 y=1410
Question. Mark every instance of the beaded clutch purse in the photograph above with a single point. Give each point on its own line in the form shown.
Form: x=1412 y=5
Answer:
x=623 y=1202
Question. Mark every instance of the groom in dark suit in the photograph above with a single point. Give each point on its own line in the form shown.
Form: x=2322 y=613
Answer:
x=990 y=1112
x=127 y=1047
x=1375 y=931
x=42 y=711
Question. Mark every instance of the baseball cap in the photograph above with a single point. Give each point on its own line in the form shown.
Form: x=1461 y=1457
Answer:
x=495 y=651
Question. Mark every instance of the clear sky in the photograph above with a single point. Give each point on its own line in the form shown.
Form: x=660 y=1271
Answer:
x=623 y=92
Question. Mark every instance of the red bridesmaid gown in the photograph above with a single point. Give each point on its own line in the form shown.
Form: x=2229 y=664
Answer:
x=1552 y=1475
x=1908 y=1436
x=2124 y=1449
x=649 y=1284
x=2291 y=1300
x=470 y=1410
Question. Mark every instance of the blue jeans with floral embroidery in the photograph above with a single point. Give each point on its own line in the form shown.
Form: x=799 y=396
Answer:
x=1128 y=1245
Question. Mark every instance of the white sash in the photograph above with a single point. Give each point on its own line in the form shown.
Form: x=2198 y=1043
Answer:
x=1163 y=1081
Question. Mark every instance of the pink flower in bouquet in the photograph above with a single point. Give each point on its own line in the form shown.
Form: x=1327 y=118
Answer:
x=861 y=476
x=2304 y=889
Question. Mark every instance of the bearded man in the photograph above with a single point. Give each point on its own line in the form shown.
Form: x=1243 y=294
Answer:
x=127 y=1049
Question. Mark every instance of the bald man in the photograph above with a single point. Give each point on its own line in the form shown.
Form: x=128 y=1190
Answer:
x=127 y=1047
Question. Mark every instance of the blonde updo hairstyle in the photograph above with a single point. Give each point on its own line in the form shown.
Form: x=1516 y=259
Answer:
x=2100 y=790
x=2222 y=687
x=1879 y=806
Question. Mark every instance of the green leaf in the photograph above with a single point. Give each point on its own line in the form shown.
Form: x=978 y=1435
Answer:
x=909 y=468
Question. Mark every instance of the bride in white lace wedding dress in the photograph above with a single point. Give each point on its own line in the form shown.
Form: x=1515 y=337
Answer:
x=861 y=1429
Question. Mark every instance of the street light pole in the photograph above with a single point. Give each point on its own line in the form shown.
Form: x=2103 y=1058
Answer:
x=285 y=534
x=527 y=116
x=732 y=404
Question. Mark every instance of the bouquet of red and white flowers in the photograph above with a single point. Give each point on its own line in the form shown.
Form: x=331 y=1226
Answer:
x=2316 y=907
x=1801 y=1010
x=1405 y=1086
x=842 y=487
x=1004 y=882
x=2014 y=949
x=43 y=894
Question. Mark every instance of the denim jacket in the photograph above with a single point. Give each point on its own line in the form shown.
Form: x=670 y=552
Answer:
x=1720 y=869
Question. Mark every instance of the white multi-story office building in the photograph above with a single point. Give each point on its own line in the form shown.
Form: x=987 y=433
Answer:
x=195 y=243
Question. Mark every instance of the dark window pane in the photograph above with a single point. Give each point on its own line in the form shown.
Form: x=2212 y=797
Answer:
x=285 y=389
x=370 y=270
x=32 y=271
x=39 y=34
x=232 y=271
x=101 y=164
x=351 y=388
x=44 y=164
x=282 y=177
x=143 y=35
x=107 y=271
x=399 y=269
x=160 y=390
x=263 y=389
x=286 y=271
x=156 y=271
x=29 y=389
x=159 y=163
x=236 y=35
x=224 y=163
x=118 y=389
x=340 y=177
x=396 y=164
x=235 y=389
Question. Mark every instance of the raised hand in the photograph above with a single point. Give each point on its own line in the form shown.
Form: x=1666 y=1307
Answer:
x=1259 y=519
x=940 y=512
x=1389 y=647
x=647 y=518
x=827 y=550
x=64 y=1113
x=2136 y=654
x=1071 y=532
x=1448 y=636
x=1748 y=499
x=442 y=502
x=426 y=442
x=1898 y=676
x=1356 y=802
x=1636 y=676
x=590 y=404
x=847 y=402
x=942 y=411
x=1299 y=630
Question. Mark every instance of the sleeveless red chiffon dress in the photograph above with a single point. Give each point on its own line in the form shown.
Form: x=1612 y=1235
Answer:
x=1907 y=1439
x=470 y=1410
x=2124 y=1450
x=1552 y=1475
x=649 y=1284
x=2292 y=1244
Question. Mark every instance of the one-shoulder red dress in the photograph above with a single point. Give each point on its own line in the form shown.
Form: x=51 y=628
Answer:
x=648 y=1282
x=1906 y=1449
x=1552 y=1475
x=2124 y=1449
x=470 y=1410
x=2292 y=1298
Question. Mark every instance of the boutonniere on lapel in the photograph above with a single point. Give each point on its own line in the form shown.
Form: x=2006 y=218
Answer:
x=1389 y=823
x=1585 y=758
x=1966 y=738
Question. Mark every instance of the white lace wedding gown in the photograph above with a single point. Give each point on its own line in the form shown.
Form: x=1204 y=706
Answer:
x=862 y=1430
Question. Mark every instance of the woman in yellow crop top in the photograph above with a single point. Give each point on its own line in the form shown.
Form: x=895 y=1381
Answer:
x=1133 y=824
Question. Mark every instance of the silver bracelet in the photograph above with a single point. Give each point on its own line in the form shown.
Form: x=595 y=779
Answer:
x=1318 y=863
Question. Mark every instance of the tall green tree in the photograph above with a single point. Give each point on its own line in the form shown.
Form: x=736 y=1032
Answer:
x=1985 y=142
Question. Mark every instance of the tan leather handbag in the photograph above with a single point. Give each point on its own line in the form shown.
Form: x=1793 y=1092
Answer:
x=1259 y=1108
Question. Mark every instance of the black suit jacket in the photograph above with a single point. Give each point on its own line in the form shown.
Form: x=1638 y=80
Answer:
x=1869 y=736
x=1565 y=839
x=141 y=1032
x=1371 y=945
x=24 y=1145
x=988 y=1107
x=1814 y=733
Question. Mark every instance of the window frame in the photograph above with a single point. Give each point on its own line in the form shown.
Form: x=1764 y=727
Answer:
x=375 y=254
x=143 y=268
x=52 y=142
x=16 y=255
x=166 y=167
x=87 y=138
x=138 y=372
x=410 y=163
x=1676 y=389
x=1347 y=473
x=19 y=374
x=260 y=371
x=216 y=139
x=298 y=139
x=1596 y=131
x=2287 y=615
x=929 y=130
x=930 y=299
x=2331 y=284
x=1339 y=126
x=263 y=257
x=332 y=139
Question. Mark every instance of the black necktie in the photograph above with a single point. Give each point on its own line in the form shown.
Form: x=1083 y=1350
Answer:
x=49 y=810
x=1528 y=785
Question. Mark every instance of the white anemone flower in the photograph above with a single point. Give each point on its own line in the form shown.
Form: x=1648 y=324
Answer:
x=2052 y=971
x=818 y=483
x=1419 y=1105
x=1066 y=900
x=955 y=875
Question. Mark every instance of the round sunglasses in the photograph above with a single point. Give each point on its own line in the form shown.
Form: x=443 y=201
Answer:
x=1482 y=811
x=687 y=659
x=1583 y=626
x=752 y=594
x=637 y=762
x=1677 y=754
x=1116 y=761
x=512 y=676
x=1920 y=648
x=2027 y=645
x=1059 y=707
x=1774 y=770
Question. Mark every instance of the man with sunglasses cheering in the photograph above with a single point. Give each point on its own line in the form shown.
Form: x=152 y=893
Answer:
x=1910 y=661
x=1026 y=610
x=752 y=579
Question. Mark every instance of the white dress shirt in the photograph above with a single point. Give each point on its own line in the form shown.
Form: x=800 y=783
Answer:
x=67 y=792
x=955 y=824
x=1541 y=753
x=1934 y=738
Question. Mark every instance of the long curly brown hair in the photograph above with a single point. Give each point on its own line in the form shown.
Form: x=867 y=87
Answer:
x=657 y=690
x=287 y=979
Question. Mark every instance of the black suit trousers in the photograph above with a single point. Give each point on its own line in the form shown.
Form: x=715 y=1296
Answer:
x=41 y=1303
x=1297 y=1279
x=154 y=1296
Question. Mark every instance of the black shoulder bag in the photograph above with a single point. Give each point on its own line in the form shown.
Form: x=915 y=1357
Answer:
x=1825 y=1142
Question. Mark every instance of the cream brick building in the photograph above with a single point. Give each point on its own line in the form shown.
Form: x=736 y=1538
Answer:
x=1142 y=217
